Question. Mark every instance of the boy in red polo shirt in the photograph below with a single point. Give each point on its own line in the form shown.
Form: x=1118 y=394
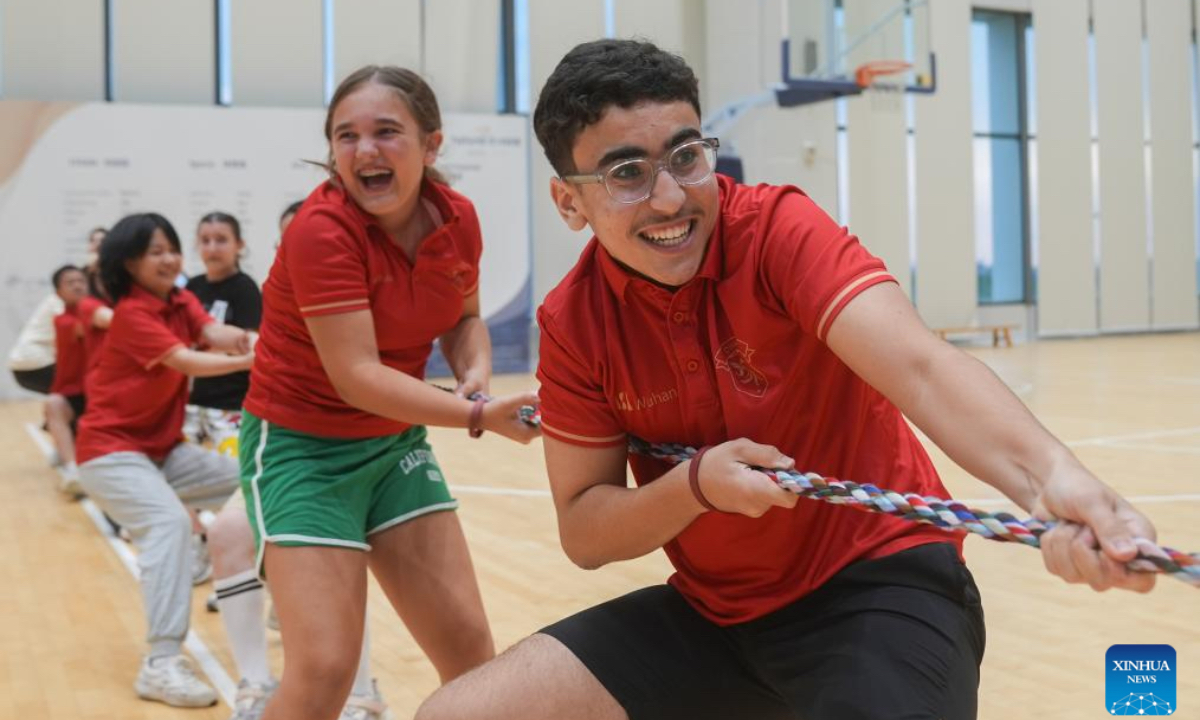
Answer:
x=744 y=319
x=78 y=331
x=132 y=461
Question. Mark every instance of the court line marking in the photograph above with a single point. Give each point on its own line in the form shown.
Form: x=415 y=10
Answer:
x=1151 y=447
x=208 y=663
x=1182 y=380
x=1148 y=435
x=485 y=490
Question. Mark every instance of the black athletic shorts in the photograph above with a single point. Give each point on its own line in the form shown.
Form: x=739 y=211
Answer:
x=39 y=381
x=78 y=404
x=897 y=637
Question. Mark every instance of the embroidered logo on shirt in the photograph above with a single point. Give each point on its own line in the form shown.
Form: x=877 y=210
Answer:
x=645 y=402
x=734 y=355
x=460 y=277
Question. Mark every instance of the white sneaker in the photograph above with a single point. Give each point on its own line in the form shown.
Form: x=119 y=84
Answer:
x=172 y=680
x=201 y=563
x=251 y=699
x=366 y=707
x=68 y=483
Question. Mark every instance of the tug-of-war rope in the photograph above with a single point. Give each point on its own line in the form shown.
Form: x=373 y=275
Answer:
x=949 y=515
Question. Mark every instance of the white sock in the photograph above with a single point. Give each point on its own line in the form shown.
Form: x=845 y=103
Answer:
x=240 y=599
x=362 y=678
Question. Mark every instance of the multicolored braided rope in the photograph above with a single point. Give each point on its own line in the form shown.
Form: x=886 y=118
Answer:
x=949 y=515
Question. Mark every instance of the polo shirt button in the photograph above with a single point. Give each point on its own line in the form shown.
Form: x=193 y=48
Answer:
x=678 y=317
x=692 y=366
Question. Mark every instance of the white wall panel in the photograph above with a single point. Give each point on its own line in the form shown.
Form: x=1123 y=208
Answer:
x=554 y=28
x=661 y=22
x=877 y=131
x=1066 y=275
x=794 y=146
x=52 y=50
x=461 y=53
x=277 y=53
x=1124 y=265
x=376 y=32
x=946 y=291
x=164 y=52
x=1173 y=194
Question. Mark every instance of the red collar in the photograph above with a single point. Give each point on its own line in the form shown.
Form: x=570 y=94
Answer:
x=142 y=296
x=434 y=192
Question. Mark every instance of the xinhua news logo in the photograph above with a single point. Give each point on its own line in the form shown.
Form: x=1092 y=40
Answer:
x=1140 y=680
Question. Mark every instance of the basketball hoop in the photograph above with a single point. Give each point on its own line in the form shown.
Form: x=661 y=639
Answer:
x=885 y=97
x=866 y=73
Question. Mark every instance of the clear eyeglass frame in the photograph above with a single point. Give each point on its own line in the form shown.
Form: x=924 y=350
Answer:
x=636 y=190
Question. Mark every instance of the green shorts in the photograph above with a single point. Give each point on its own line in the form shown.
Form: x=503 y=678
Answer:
x=303 y=489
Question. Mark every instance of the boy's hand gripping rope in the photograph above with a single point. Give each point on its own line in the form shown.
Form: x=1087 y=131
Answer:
x=949 y=515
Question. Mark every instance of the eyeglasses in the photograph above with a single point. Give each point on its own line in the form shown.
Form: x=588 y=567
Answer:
x=631 y=181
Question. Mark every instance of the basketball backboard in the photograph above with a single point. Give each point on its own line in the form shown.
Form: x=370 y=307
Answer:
x=831 y=48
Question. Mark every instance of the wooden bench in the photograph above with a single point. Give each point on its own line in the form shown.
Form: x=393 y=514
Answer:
x=997 y=331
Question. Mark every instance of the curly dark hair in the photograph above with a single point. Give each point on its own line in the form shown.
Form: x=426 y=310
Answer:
x=601 y=73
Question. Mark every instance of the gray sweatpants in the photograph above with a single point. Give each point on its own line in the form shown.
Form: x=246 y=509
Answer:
x=145 y=498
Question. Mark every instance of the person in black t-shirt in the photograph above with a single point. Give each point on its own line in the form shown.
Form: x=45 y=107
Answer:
x=231 y=297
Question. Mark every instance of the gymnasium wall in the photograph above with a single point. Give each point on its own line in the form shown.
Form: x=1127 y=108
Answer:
x=68 y=167
x=1144 y=280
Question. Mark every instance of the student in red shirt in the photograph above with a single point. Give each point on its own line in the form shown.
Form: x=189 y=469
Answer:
x=745 y=320
x=132 y=461
x=78 y=331
x=379 y=262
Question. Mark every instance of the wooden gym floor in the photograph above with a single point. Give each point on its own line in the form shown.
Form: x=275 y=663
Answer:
x=71 y=623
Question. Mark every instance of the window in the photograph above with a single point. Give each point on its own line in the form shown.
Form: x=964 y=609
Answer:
x=1196 y=147
x=110 y=66
x=512 y=86
x=224 y=42
x=327 y=57
x=1005 y=152
x=843 y=139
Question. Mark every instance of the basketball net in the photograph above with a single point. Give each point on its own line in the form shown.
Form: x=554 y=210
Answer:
x=885 y=96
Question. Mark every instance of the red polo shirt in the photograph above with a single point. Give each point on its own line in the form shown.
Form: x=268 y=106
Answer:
x=70 y=355
x=93 y=337
x=135 y=403
x=739 y=351
x=335 y=258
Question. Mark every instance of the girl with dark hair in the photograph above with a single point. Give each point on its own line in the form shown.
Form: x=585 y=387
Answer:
x=231 y=297
x=131 y=461
x=380 y=261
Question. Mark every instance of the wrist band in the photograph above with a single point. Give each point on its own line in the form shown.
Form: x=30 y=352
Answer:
x=694 y=479
x=474 y=426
